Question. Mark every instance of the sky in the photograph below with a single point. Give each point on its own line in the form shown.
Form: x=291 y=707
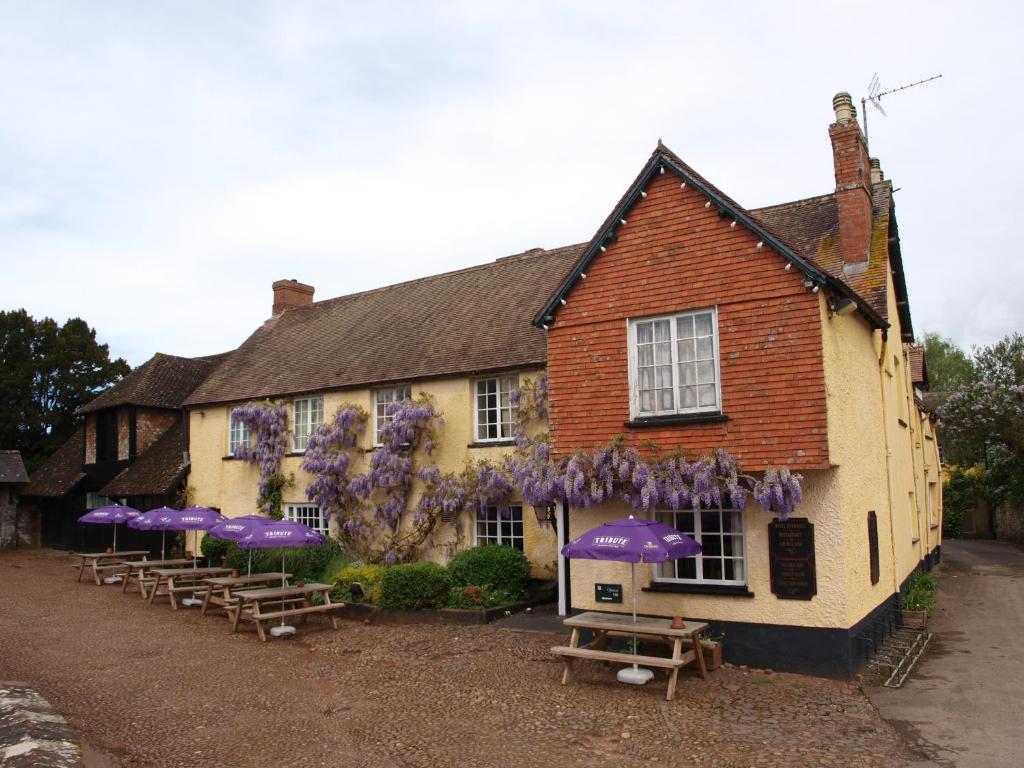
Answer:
x=164 y=162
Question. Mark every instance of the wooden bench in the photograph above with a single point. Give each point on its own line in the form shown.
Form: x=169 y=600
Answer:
x=283 y=602
x=104 y=562
x=220 y=590
x=569 y=654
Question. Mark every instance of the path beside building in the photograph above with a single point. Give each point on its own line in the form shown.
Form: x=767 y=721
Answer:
x=961 y=706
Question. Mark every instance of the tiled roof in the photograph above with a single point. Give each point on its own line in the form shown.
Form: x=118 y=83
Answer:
x=472 y=320
x=812 y=226
x=61 y=472
x=163 y=381
x=12 y=469
x=918 y=373
x=155 y=472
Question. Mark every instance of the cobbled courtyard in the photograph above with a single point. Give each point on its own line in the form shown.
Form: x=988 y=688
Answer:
x=148 y=686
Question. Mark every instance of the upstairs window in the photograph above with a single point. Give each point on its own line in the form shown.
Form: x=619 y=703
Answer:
x=495 y=416
x=106 y=436
x=673 y=364
x=238 y=434
x=307 y=416
x=381 y=399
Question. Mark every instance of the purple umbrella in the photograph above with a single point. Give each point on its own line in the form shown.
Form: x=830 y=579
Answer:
x=237 y=528
x=113 y=513
x=632 y=541
x=192 y=519
x=284 y=534
x=160 y=519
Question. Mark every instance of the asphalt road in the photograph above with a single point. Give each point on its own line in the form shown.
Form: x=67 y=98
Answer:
x=962 y=706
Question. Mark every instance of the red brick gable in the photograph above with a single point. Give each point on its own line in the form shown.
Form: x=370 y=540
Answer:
x=675 y=254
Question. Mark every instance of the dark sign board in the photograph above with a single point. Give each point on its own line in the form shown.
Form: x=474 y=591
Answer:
x=608 y=593
x=791 y=555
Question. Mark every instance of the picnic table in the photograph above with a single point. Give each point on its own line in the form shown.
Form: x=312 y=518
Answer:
x=105 y=561
x=606 y=626
x=268 y=604
x=177 y=580
x=218 y=589
x=139 y=570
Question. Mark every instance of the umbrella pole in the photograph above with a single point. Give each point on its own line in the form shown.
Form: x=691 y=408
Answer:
x=249 y=571
x=163 y=542
x=632 y=571
x=115 y=538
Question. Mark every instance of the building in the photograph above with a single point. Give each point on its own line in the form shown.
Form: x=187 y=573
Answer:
x=784 y=336
x=15 y=530
x=131 y=448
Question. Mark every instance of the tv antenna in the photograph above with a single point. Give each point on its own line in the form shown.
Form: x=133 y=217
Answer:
x=875 y=94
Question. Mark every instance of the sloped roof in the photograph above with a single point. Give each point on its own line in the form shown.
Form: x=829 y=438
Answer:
x=471 y=320
x=812 y=225
x=918 y=370
x=775 y=233
x=12 y=468
x=163 y=381
x=61 y=471
x=155 y=472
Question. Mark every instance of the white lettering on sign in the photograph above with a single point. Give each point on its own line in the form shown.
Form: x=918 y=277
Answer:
x=611 y=541
x=673 y=537
x=277 y=533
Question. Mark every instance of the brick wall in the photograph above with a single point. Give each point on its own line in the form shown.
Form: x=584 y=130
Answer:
x=676 y=255
x=150 y=425
x=123 y=433
x=90 y=438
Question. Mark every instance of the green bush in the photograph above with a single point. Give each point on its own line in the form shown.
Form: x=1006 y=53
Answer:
x=306 y=563
x=415 y=585
x=367 y=575
x=214 y=549
x=494 y=568
x=962 y=489
x=921 y=593
x=478 y=597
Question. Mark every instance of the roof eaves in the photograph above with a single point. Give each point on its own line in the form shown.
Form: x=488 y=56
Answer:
x=657 y=164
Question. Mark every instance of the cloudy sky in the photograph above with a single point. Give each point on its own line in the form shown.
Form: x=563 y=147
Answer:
x=164 y=162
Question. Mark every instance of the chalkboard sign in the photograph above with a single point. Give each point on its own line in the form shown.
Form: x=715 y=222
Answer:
x=791 y=556
x=608 y=593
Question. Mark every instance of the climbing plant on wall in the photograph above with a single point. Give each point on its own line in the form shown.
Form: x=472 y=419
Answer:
x=267 y=424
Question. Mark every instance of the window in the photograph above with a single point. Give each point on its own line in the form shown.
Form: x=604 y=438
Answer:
x=238 y=434
x=307 y=415
x=495 y=416
x=381 y=399
x=933 y=503
x=106 y=436
x=873 y=546
x=723 y=556
x=500 y=526
x=307 y=514
x=674 y=364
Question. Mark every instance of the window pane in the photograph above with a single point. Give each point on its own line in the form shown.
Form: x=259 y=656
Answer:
x=703 y=323
x=705 y=372
x=705 y=349
x=712 y=545
x=684 y=327
x=712 y=569
x=686 y=351
x=710 y=522
x=730 y=570
x=684 y=522
x=665 y=400
x=645 y=354
x=707 y=395
x=687 y=568
x=662 y=330
x=688 y=396
x=647 y=401
x=663 y=353
x=644 y=333
x=663 y=376
x=687 y=373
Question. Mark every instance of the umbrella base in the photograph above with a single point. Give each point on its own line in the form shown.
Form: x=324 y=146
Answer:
x=282 y=631
x=191 y=602
x=112 y=580
x=635 y=675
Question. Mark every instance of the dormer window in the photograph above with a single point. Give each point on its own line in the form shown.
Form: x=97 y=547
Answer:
x=673 y=364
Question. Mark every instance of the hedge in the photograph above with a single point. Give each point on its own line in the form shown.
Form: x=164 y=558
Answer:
x=415 y=585
x=494 y=568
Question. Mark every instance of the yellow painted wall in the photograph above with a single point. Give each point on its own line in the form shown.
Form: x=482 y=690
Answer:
x=230 y=484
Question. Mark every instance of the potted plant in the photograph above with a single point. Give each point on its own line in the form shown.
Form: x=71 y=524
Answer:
x=919 y=601
x=712 y=648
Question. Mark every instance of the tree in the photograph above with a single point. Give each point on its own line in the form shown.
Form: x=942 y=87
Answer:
x=1002 y=363
x=47 y=372
x=949 y=367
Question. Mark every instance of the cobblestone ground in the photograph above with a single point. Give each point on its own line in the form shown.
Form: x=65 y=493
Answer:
x=153 y=687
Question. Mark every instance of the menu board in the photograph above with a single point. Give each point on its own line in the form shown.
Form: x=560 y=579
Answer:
x=791 y=556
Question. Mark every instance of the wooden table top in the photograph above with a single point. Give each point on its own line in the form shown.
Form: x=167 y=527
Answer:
x=119 y=553
x=271 y=592
x=156 y=563
x=186 y=571
x=623 y=622
x=253 y=578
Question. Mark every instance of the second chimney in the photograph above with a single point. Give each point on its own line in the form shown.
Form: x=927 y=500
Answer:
x=853 y=182
x=289 y=294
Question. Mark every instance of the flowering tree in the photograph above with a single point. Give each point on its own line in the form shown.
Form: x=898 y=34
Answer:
x=268 y=429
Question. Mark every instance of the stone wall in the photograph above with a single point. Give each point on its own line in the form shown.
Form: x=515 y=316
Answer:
x=1010 y=522
x=32 y=735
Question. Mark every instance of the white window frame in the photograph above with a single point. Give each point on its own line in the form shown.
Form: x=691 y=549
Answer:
x=303 y=429
x=634 y=367
x=668 y=516
x=512 y=382
x=933 y=494
x=380 y=417
x=242 y=438
x=305 y=514
x=500 y=537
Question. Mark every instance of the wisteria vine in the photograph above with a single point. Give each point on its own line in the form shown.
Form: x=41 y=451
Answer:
x=267 y=423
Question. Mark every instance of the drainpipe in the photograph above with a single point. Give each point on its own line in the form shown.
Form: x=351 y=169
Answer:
x=563 y=539
x=888 y=457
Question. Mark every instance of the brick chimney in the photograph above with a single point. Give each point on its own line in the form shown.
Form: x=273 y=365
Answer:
x=853 y=183
x=289 y=294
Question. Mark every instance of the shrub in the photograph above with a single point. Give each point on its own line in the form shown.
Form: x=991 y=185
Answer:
x=961 y=491
x=214 y=549
x=921 y=593
x=414 y=585
x=478 y=597
x=494 y=568
x=307 y=563
x=367 y=575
